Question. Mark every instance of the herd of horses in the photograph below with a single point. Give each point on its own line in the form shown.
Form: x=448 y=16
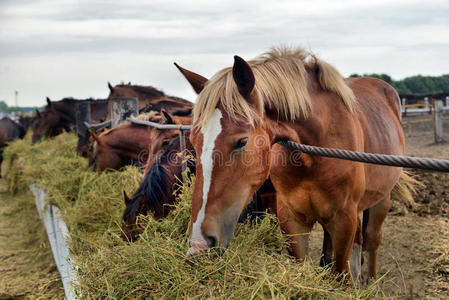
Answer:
x=241 y=114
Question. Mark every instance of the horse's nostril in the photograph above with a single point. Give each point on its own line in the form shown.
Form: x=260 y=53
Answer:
x=211 y=241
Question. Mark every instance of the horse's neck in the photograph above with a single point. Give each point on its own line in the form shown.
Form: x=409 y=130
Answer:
x=182 y=120
x=329 y=118
x=121 y=141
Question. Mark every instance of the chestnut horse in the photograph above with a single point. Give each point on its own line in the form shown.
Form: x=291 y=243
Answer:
x=155 y=194
x=129 y=143
x=241 y=114
x=123 y=145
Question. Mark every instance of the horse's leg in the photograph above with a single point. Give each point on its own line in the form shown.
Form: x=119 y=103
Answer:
x=297 y=230
x=356 y=255
x=327 y=252
x=343 y=229
x=373 y=234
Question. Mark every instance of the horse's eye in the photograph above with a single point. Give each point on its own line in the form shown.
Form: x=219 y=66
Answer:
x=165 y=143
x=241 y=143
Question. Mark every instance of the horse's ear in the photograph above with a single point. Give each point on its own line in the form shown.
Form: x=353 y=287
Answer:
x=38 y=114
x=95 y=136
x=126 y=198
x=243 y=76
x=48 y=101
x=143 y=203
x=111 y=88
x=196 y=81
x=167 y=118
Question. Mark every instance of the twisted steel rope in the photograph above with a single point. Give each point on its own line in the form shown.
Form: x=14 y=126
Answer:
x=372 y=158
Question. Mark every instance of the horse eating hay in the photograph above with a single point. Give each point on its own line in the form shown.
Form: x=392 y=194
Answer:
x=240 y=115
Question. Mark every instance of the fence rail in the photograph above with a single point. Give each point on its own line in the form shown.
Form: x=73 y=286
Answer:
x=59 y=237
x=438 y=114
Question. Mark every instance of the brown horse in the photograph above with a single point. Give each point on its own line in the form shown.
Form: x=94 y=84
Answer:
x=126 y=144
x=243 y=111
x=58 y=116
x=145 y=95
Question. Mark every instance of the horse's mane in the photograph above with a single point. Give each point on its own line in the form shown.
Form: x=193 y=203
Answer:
x=146 y=90
x=147 y=116
x=152 y=116
x=281 y=85
x=155 y=186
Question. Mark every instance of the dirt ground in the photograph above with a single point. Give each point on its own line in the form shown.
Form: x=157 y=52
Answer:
x=27 y=268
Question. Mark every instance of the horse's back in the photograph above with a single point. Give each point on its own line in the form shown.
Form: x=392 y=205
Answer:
x=379 y=116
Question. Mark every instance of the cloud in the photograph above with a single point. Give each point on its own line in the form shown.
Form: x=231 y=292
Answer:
x=107 y=39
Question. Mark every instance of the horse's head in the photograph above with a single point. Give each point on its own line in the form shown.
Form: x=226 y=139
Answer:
x=102 y=156
x=45 y=124
x=233 y=154
x=83 y=144
x=130 y=227
x=160 y=139
x=121 y=91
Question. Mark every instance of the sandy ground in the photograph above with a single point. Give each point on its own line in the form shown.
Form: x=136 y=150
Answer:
x=27 y=269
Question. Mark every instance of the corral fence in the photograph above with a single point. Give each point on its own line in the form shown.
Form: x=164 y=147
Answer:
x=425 y=113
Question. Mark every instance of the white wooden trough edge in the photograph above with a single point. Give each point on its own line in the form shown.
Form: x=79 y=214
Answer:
x=59 y=237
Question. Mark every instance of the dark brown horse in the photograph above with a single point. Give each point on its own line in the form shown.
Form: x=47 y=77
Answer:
x=9 y=130
x=58 y=116
x=98 y=114
x=240 y=115
x=155 y=195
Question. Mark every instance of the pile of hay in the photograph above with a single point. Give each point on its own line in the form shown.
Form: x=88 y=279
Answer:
x=255 y=265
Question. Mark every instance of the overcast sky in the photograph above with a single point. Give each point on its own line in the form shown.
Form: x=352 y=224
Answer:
x=72 y=48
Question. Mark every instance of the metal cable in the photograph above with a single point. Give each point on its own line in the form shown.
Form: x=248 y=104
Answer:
x=372 y=158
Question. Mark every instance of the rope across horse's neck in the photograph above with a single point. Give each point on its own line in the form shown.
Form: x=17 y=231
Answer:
x=372 y=158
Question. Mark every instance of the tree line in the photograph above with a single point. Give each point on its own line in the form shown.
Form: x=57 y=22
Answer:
x=4 y=108
x=417 y=84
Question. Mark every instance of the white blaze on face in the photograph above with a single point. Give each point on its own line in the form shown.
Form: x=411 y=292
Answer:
x=210 y=133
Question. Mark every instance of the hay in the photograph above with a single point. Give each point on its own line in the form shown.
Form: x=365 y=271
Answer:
x=27 y=269
x=255 y=265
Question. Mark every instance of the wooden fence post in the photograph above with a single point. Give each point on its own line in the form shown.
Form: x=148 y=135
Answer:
x=439 y=121
x=82 y=116
x=121 y=108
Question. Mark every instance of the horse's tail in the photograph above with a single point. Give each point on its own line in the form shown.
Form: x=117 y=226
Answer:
x=405 y=188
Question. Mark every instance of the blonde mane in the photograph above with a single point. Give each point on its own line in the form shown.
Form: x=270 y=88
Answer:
x=281 y=85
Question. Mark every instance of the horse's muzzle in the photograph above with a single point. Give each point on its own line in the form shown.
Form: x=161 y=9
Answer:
x=196 y=247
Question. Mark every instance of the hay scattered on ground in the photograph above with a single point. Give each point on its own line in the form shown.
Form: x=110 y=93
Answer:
x=255 y=265
x=27 y=268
